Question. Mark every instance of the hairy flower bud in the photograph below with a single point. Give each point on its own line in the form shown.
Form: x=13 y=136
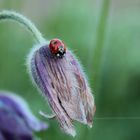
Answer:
x=16 y=120
x=63 y=82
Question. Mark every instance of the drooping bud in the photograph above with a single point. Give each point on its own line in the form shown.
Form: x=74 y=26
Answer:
x=64 y=84
x=16 y=120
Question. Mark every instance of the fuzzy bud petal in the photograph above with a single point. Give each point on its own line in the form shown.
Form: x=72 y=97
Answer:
x=63 y=83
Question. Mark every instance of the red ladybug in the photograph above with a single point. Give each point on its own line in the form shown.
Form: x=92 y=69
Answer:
x=57 y=47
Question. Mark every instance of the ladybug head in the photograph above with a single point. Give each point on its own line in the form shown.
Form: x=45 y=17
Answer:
x=57 y=48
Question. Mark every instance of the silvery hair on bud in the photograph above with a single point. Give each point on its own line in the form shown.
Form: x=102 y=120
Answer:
x=64 y=84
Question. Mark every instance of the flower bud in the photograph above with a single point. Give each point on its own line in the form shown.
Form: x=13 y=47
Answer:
x=63 y=83
x=16 y=120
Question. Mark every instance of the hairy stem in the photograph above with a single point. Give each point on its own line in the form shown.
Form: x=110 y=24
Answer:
x=10 y=15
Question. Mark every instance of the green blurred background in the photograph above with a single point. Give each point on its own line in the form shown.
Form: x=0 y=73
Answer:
x=105 y=35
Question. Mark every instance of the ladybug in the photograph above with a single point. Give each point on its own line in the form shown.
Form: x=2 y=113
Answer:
x=57 y=48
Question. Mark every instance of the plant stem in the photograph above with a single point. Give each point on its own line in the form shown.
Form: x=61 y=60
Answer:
x=100 y=40
x=10 y=15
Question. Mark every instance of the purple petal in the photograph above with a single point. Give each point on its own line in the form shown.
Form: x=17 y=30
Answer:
x=15 y=113
x=11 y=124
x=44 y=77
x=1 y=136
x=86 y=94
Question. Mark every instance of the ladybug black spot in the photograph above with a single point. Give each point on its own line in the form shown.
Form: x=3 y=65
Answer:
x=55 y=42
